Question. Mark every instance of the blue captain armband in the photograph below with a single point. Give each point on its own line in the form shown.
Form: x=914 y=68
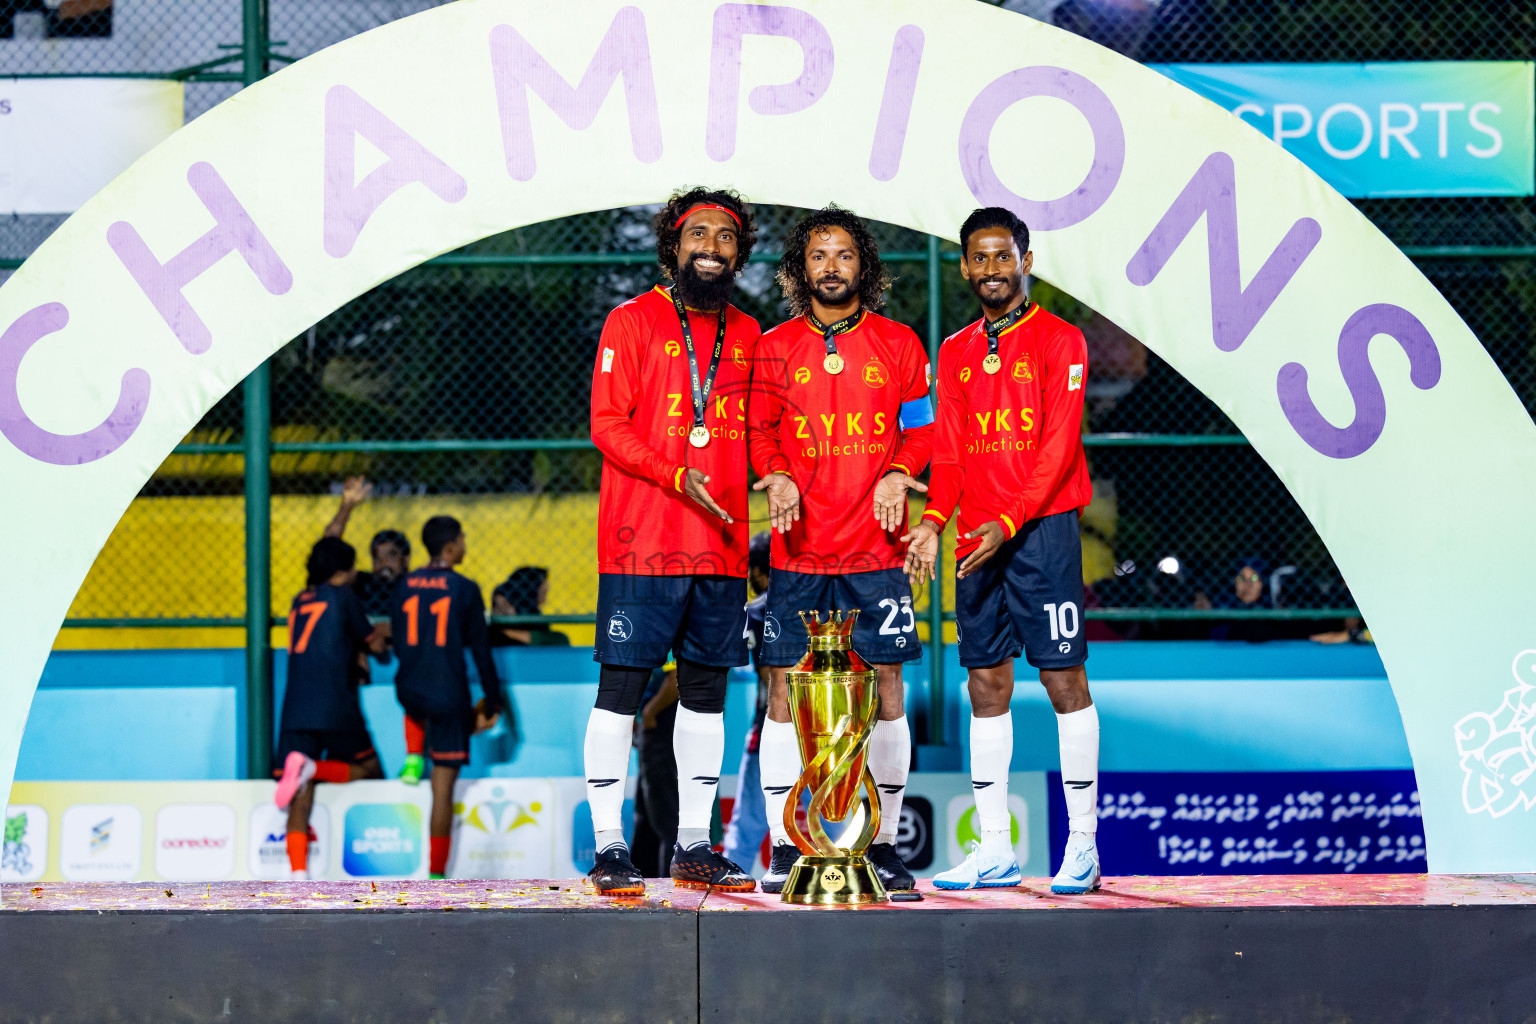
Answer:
x=916 y=413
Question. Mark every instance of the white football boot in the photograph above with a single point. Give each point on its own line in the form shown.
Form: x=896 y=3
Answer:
x=1079 y=866
x=991 y=864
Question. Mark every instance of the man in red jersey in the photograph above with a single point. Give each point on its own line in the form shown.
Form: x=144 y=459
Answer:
x=840 y=422
x=1009 y=455
x=669 y=413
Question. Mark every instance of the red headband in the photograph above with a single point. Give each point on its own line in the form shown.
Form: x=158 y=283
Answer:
x=706 y=206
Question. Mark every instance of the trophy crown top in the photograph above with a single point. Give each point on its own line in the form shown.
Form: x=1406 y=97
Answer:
x=837 y=623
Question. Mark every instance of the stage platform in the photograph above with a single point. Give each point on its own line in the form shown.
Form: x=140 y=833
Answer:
x=1248 y=949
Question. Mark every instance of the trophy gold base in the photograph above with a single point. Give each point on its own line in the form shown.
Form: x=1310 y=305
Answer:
x=833 y=882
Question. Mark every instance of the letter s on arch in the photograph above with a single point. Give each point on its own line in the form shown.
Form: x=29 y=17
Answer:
x=1355 y=365
x=45 y=446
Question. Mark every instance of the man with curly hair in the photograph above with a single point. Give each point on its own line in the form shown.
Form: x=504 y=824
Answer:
x=841 y=424
x=669 y=408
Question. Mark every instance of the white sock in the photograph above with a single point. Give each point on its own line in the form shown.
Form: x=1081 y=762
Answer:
x=890 y=758
x=606 y=759
x=991 y=752
x=698 y=743
x=778 y=763
x=1078 y=734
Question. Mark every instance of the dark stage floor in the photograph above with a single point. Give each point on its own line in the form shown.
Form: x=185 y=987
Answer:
x=1218 y=948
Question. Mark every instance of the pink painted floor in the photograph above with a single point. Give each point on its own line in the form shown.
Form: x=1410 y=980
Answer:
x=574 y=894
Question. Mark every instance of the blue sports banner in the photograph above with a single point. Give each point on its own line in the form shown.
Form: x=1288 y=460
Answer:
x=1435 y=128
x=1252 y=823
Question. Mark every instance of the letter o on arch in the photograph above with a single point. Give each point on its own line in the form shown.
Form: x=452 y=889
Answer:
x=1059 y=83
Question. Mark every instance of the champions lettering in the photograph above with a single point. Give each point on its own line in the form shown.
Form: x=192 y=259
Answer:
x=623 y=62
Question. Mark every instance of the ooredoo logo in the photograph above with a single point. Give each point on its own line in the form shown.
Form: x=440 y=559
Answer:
x=382 y=839
x=195 y=842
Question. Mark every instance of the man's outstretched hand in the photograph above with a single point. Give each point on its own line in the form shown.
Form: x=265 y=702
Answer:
x=992 y=536
x=922 y=553
x=693 y=486
x=891 y=499
x=783 y=500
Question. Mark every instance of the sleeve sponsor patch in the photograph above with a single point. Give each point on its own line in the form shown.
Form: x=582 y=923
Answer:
x=916 y=413
x=608 y=360
x=1074 y=376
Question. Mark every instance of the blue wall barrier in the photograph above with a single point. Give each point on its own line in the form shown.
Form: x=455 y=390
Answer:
x=1175 y=706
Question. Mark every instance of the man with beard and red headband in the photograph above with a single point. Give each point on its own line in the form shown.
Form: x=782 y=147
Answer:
x=1009 y=455
x=669 y=408
x=840 y=423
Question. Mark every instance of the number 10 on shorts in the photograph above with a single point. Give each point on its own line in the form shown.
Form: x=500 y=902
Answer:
x=1063 y=619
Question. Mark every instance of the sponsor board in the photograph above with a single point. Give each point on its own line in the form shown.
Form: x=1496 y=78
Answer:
x=101 y=843
x=24 y=856
x=195 y=842
x=1253 y=823
x=503 y=828
x=382 y=840
x=268 y=846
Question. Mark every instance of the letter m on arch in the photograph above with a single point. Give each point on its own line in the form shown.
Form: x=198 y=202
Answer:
x=625 y=52
x=1235 y=310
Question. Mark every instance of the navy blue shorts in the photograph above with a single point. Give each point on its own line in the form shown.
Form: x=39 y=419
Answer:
x=640 y=619
x=353 y=745
x=447 y=732
x=1028 y=596
x=884 y=634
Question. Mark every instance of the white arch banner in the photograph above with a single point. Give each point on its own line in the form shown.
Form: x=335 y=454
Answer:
x=1349 y=373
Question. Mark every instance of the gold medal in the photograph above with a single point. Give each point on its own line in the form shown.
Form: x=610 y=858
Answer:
x=699 y=436
x=992 y=363
x=833 y=363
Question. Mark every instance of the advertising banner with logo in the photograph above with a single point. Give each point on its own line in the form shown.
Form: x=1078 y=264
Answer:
x=62 y=139
x=1253 y=823
x=1349 y=374
x=1435 y=128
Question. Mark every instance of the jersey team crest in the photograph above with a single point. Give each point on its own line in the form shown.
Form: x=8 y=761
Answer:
x=874 y=374
x=1021 y=371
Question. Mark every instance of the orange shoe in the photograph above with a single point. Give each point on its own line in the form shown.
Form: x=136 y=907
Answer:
x=700 y=867
x=614 y=874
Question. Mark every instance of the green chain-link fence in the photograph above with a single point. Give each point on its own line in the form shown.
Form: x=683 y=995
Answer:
x=461 y=386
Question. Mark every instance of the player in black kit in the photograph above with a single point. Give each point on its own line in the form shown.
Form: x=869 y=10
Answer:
x=323 y=737
x=435 y=618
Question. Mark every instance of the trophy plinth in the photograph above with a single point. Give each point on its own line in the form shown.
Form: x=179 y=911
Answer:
x=833 y=702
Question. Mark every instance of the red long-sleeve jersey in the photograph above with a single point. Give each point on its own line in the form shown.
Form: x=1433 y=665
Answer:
x=642 y=410
x=837 y=436
x=1009 y=445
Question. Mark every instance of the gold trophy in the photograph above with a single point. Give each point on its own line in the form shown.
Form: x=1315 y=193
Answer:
x=833 y=703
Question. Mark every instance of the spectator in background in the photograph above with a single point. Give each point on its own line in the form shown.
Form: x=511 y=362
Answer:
x=524 y=593
x=389 y=550
x=1250 y=591
x=749 y=817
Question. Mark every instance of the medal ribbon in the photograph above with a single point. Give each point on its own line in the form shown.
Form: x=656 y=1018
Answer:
x=700 y=391
x=1001 y=324
x=829 y=332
